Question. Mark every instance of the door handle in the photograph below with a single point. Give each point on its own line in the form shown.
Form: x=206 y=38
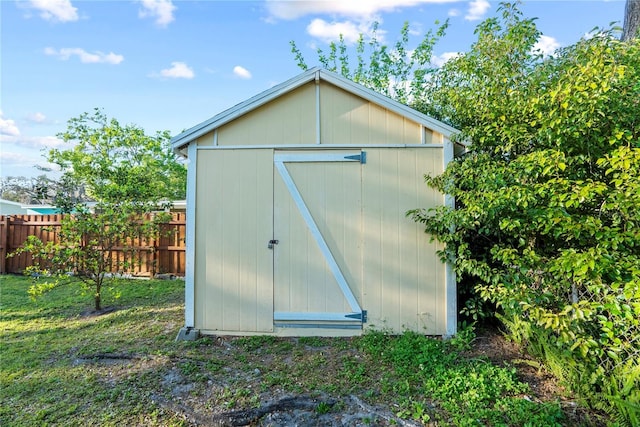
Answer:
x=271 y=243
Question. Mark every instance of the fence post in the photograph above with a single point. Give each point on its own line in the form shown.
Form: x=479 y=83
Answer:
x=4 y=242
x=154 y=248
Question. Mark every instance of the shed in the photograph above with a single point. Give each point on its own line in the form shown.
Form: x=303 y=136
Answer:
x=296 y=215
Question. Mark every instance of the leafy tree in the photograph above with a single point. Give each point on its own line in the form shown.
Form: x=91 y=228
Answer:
x=119 y=163
x=128 y=174
x=41 y=190
x=398 y=72
x=547 y=222
x=92 y=247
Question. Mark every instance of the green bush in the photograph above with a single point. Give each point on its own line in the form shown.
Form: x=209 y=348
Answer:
x=546 y=230
x=547 y=224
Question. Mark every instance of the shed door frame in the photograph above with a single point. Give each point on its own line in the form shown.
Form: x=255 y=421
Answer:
x=357 y=315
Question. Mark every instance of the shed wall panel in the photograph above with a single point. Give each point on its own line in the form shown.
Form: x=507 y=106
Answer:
x=234 y=268
x=403 y=277
x=289 y=119
x=206 y=140
x=349 y=119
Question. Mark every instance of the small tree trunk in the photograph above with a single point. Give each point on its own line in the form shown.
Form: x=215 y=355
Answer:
x=631 y=20
x=97 y=297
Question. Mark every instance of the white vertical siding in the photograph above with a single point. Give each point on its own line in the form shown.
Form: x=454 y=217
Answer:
x=290 y=119
x=404 y=279
x=190 y=257
x=233 y=222
x=349 y=119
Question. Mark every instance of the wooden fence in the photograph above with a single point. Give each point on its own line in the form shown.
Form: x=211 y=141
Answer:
x=165 y=255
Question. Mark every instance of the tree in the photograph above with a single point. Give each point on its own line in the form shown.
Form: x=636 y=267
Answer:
x=40 y=190
x=128 y=174
x=92 y=247
x=548 y=198
x=546 y=225
x=118 y=163
x=398 y=72
x=631 y=20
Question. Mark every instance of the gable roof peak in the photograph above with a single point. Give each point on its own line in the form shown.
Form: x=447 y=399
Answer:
x=318 y=74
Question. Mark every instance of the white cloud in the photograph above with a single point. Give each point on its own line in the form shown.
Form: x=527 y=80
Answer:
x=477 y=10
x=8 y=127
x=454 y=12
x=36 y=117
x=289 y=10
x=440 y=60
x=55 y=10
x=350 y=30
x=38 y=142
x=20 y=164
x=20 y=152
x=323 y=30
x=241 y=72
x=546 y=45
x=84 y=56
x=161 y=10
x=415 y=29
x=360 y=15
x=178 y=70
x=596 y=32
x=17 y=159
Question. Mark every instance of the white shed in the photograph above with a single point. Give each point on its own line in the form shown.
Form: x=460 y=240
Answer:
x=296 y=222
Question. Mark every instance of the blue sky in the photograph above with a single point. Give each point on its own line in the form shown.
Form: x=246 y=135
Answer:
x=168 y=65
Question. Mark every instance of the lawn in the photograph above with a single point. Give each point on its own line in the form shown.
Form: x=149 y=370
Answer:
x=61 y=364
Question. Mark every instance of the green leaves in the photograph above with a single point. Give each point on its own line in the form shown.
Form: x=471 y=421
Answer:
x=399 y=72
x=547 y=225
x=547 y=220
x=90 y=247
x=119 y=163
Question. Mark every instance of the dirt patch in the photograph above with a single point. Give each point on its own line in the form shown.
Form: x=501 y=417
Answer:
x=292 y=410
x=106 y=359
x=233 y=381
x=98 y=313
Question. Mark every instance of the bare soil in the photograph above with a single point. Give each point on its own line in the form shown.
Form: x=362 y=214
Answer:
x=224 y=383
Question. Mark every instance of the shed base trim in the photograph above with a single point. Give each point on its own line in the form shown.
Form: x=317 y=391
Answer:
x=319 y=325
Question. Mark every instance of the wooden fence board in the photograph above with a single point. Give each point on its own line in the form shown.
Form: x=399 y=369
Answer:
x=4 y=243
x=163 y=255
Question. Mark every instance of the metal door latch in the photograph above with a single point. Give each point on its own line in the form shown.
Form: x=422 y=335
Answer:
x=271 y=243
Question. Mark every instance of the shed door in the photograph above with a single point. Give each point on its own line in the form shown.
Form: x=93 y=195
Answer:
x=317 y=226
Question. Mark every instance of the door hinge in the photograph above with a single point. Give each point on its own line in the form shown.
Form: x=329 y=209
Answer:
x=362 y=157
x=362 y=316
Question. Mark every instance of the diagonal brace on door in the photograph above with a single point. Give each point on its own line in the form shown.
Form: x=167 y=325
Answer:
x=279 y=162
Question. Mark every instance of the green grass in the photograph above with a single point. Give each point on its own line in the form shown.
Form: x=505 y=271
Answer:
x=60 y=367
x=46 y=373
x=432 y=381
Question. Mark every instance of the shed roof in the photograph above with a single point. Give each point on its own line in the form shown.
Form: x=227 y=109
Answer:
x=319 y=74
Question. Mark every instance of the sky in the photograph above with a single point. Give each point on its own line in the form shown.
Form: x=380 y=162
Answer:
x=169 y=65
